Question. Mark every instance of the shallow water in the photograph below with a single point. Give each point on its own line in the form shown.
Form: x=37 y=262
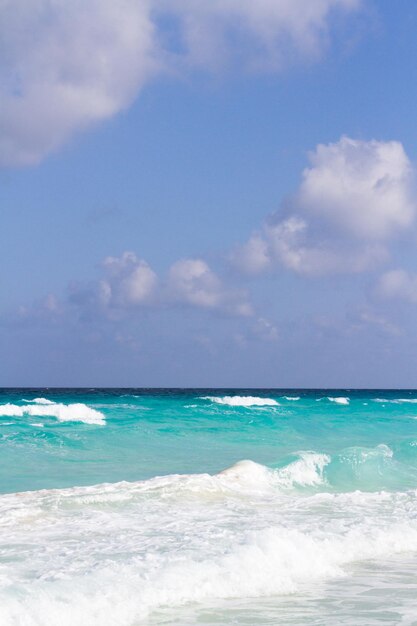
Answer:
x=208 y=507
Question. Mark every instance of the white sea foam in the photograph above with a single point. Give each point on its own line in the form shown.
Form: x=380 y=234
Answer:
x=339 y=400
x=76 y=412
x=113 y=554
x=294 y=398
x=40 y=401
x=244 y=401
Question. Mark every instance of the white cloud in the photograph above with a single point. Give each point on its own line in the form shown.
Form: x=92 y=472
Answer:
x=253 y=256
x=399 y=285
x=191 y=281
x=130 y=281
x=378 y=321
x=354 y=198
x=266 y=330
x=261 y=35
x=65 y=66
x=362 y=187
x=293 y=244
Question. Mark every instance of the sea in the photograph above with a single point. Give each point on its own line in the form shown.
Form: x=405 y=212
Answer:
x=125 y=507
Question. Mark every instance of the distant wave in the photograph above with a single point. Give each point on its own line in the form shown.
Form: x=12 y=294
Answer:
x=63 y=412
x=295 y=398
x=396 y=400
x=245 y=401
x=39 y=401
x=339 y=400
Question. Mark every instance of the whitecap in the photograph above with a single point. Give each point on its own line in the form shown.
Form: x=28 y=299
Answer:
x=339 y=400
x=39 y=401
x=243 y=401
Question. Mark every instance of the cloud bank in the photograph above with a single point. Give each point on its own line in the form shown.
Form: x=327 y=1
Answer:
x=128 y=283
x=66 y=66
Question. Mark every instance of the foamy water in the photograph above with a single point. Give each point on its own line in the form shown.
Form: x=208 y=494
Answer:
x=195 y=510
x=117 y=553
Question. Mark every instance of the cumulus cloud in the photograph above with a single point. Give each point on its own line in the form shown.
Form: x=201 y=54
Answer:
x=362 y=187
x=128 y=282
x=191 y=281
x=354 y=198
x=399 y=285
x=65 y=66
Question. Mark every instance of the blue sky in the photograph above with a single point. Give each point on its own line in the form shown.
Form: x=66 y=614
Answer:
x=198 y=193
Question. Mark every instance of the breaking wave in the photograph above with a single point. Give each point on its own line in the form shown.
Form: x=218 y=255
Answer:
x=307 y=470
x=40 y=407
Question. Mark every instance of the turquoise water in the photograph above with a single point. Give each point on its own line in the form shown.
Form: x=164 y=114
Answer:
x=208 y=507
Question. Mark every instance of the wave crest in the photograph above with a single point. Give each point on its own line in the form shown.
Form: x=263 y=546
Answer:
x=306 y=471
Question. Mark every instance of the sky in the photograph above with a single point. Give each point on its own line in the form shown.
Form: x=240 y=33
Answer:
x=199 y=193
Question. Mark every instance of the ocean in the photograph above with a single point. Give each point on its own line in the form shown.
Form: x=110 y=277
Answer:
x=124 y=507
